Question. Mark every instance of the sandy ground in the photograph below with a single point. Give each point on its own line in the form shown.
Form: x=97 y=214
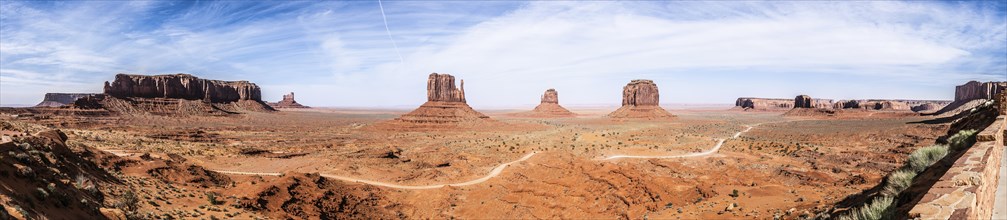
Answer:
x=702 y=164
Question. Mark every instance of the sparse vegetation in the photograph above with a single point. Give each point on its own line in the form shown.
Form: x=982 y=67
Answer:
x=962 y=139
x=922 y=158
x=880 y=208
x=898 y=181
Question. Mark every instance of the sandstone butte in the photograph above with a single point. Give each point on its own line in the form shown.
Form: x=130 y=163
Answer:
x=178 y=94
x=549 y=107
x=640 y=99
x=802 y=101
x=60 y=99
x=445 y=104
x=287 y=102
x=967 y=95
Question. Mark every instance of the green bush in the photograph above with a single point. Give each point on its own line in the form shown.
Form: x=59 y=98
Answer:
x=922 y=158
x=898 y=181
x=962 y=139
x=880 y=208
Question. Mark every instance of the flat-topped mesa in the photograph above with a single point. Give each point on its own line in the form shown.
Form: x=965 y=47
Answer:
x=179 y=94
x=640 y=99
x=803 y=101
x=181 y=86
x=287 y=102
x=445 y=104
x=751 y=103
x=978 y=90
x=60 y=99
x=441 y=88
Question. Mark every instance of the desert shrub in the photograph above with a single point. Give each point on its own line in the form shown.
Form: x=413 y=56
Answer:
x=898 y=181
x=962 y=139
x=212 y=198
x=127 y=202
x=922 y=158
x=878 y=209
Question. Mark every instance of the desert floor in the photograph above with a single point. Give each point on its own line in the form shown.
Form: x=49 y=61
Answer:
x=700 y=164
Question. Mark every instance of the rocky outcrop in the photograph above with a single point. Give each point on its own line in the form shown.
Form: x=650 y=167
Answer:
x=180 y=94
x=181 y=86
x=802 y=101
x=750 y=103
x=441 y=88
x=892 y=104
x=978 y=90
x=640 y=99
x=445 y=105
x=550 y=96
x=287 y=102
x=60 y=99
x=548 y=107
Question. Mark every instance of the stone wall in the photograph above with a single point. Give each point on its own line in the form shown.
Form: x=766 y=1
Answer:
x=967 y=190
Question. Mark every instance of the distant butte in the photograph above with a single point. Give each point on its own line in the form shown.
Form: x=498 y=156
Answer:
x=640 y=99
x=287 y=102
x=548 y=107
x=445 y=104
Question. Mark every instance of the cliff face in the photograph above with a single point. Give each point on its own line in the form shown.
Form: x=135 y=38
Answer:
x=802 y=101
x=640 y=99
x=640 y=92
x=182 y=86
x=764 y=103
x=60 y=99
x=441 y=88
x=977 y=90
x=550 y=96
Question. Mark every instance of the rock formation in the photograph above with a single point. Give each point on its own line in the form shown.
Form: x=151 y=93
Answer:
x=445 y=104
x=287 y=102
x=977 y=90
x=640 y=99
x=750 y=103
x=548 y=107
x=802 y=101
x=60 y=99
x=970 y=95
x=182 y=86
x=180 y=94
x=892 y=104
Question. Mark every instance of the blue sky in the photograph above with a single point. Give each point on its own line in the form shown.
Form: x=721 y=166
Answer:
x=335 y=53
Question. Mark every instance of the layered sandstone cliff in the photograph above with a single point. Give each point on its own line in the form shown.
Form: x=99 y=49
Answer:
x=180 y=94
x=970 y=95
x=445 y=104
x=182 y=86
x=640 y=99
x=287 y=102
x=60 y=99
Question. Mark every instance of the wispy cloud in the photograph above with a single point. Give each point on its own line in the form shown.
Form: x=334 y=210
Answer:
x=509 y=52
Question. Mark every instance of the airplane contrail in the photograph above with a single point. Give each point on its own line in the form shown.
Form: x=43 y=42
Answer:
x=385 y=19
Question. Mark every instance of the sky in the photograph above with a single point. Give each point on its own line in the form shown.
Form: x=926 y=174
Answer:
x=350 y=54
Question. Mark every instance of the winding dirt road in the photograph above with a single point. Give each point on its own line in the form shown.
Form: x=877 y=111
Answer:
x=720 y=142
x=499 y=169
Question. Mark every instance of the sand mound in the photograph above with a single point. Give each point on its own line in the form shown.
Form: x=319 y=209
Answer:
x=309 y=196
x=181 y=172
x=179 y=107
x=846 y=113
